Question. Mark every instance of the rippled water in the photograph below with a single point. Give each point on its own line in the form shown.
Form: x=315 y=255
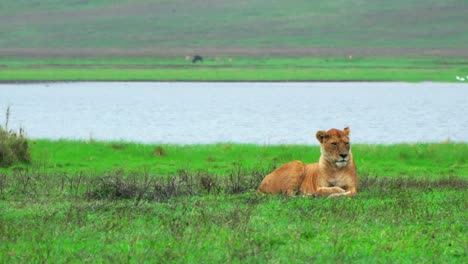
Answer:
x=262 y=113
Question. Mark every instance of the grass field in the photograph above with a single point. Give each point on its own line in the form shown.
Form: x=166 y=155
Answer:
x=233 y=69
x=125 y=202
x=129 y=40
x=406 y=160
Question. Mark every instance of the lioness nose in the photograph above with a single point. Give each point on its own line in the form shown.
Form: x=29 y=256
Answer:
x=343 y=155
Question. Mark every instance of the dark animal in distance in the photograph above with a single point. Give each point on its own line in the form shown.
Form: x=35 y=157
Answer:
x=197 y=58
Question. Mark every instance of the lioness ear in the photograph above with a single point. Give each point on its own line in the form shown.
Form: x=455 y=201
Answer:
x=347 y=130
x=321 y=135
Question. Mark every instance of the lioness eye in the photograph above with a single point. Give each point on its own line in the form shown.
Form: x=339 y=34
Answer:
x=347 y=143
x=334 y=144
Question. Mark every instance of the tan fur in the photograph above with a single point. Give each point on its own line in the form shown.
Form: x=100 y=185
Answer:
x=334 y=175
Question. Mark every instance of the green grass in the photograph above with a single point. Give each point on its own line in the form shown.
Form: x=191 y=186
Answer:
x=125 y=202
x=401 y=226
x=404 y=75
x=232 y=69
x=406 y=160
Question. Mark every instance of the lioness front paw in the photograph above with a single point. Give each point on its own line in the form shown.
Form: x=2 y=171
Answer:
x=338 y=190
x=335 y=195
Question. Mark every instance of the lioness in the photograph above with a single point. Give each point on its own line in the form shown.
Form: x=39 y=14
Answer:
x=334 y=175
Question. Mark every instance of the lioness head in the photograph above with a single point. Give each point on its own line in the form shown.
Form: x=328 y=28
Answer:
x=335 y=146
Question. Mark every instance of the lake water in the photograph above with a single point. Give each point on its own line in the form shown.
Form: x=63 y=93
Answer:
x=262 y=113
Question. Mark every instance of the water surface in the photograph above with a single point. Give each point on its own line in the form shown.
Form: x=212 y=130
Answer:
x=261 y=113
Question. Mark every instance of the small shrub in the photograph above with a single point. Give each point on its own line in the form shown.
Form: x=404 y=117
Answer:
x=117 y=146
x=159 y=151
x=13 y=146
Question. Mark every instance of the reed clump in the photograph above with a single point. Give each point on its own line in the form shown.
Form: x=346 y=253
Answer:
x=117 y=186
x=14 y=146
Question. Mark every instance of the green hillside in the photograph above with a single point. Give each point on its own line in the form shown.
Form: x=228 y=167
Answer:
x=426 y=27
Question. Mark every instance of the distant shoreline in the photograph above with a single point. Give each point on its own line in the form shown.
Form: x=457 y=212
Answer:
x=231 y=69
x=194 y=81
x=232 y=75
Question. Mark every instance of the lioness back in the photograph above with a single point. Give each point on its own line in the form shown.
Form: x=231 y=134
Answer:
x=309 y=183
x=284 y=179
